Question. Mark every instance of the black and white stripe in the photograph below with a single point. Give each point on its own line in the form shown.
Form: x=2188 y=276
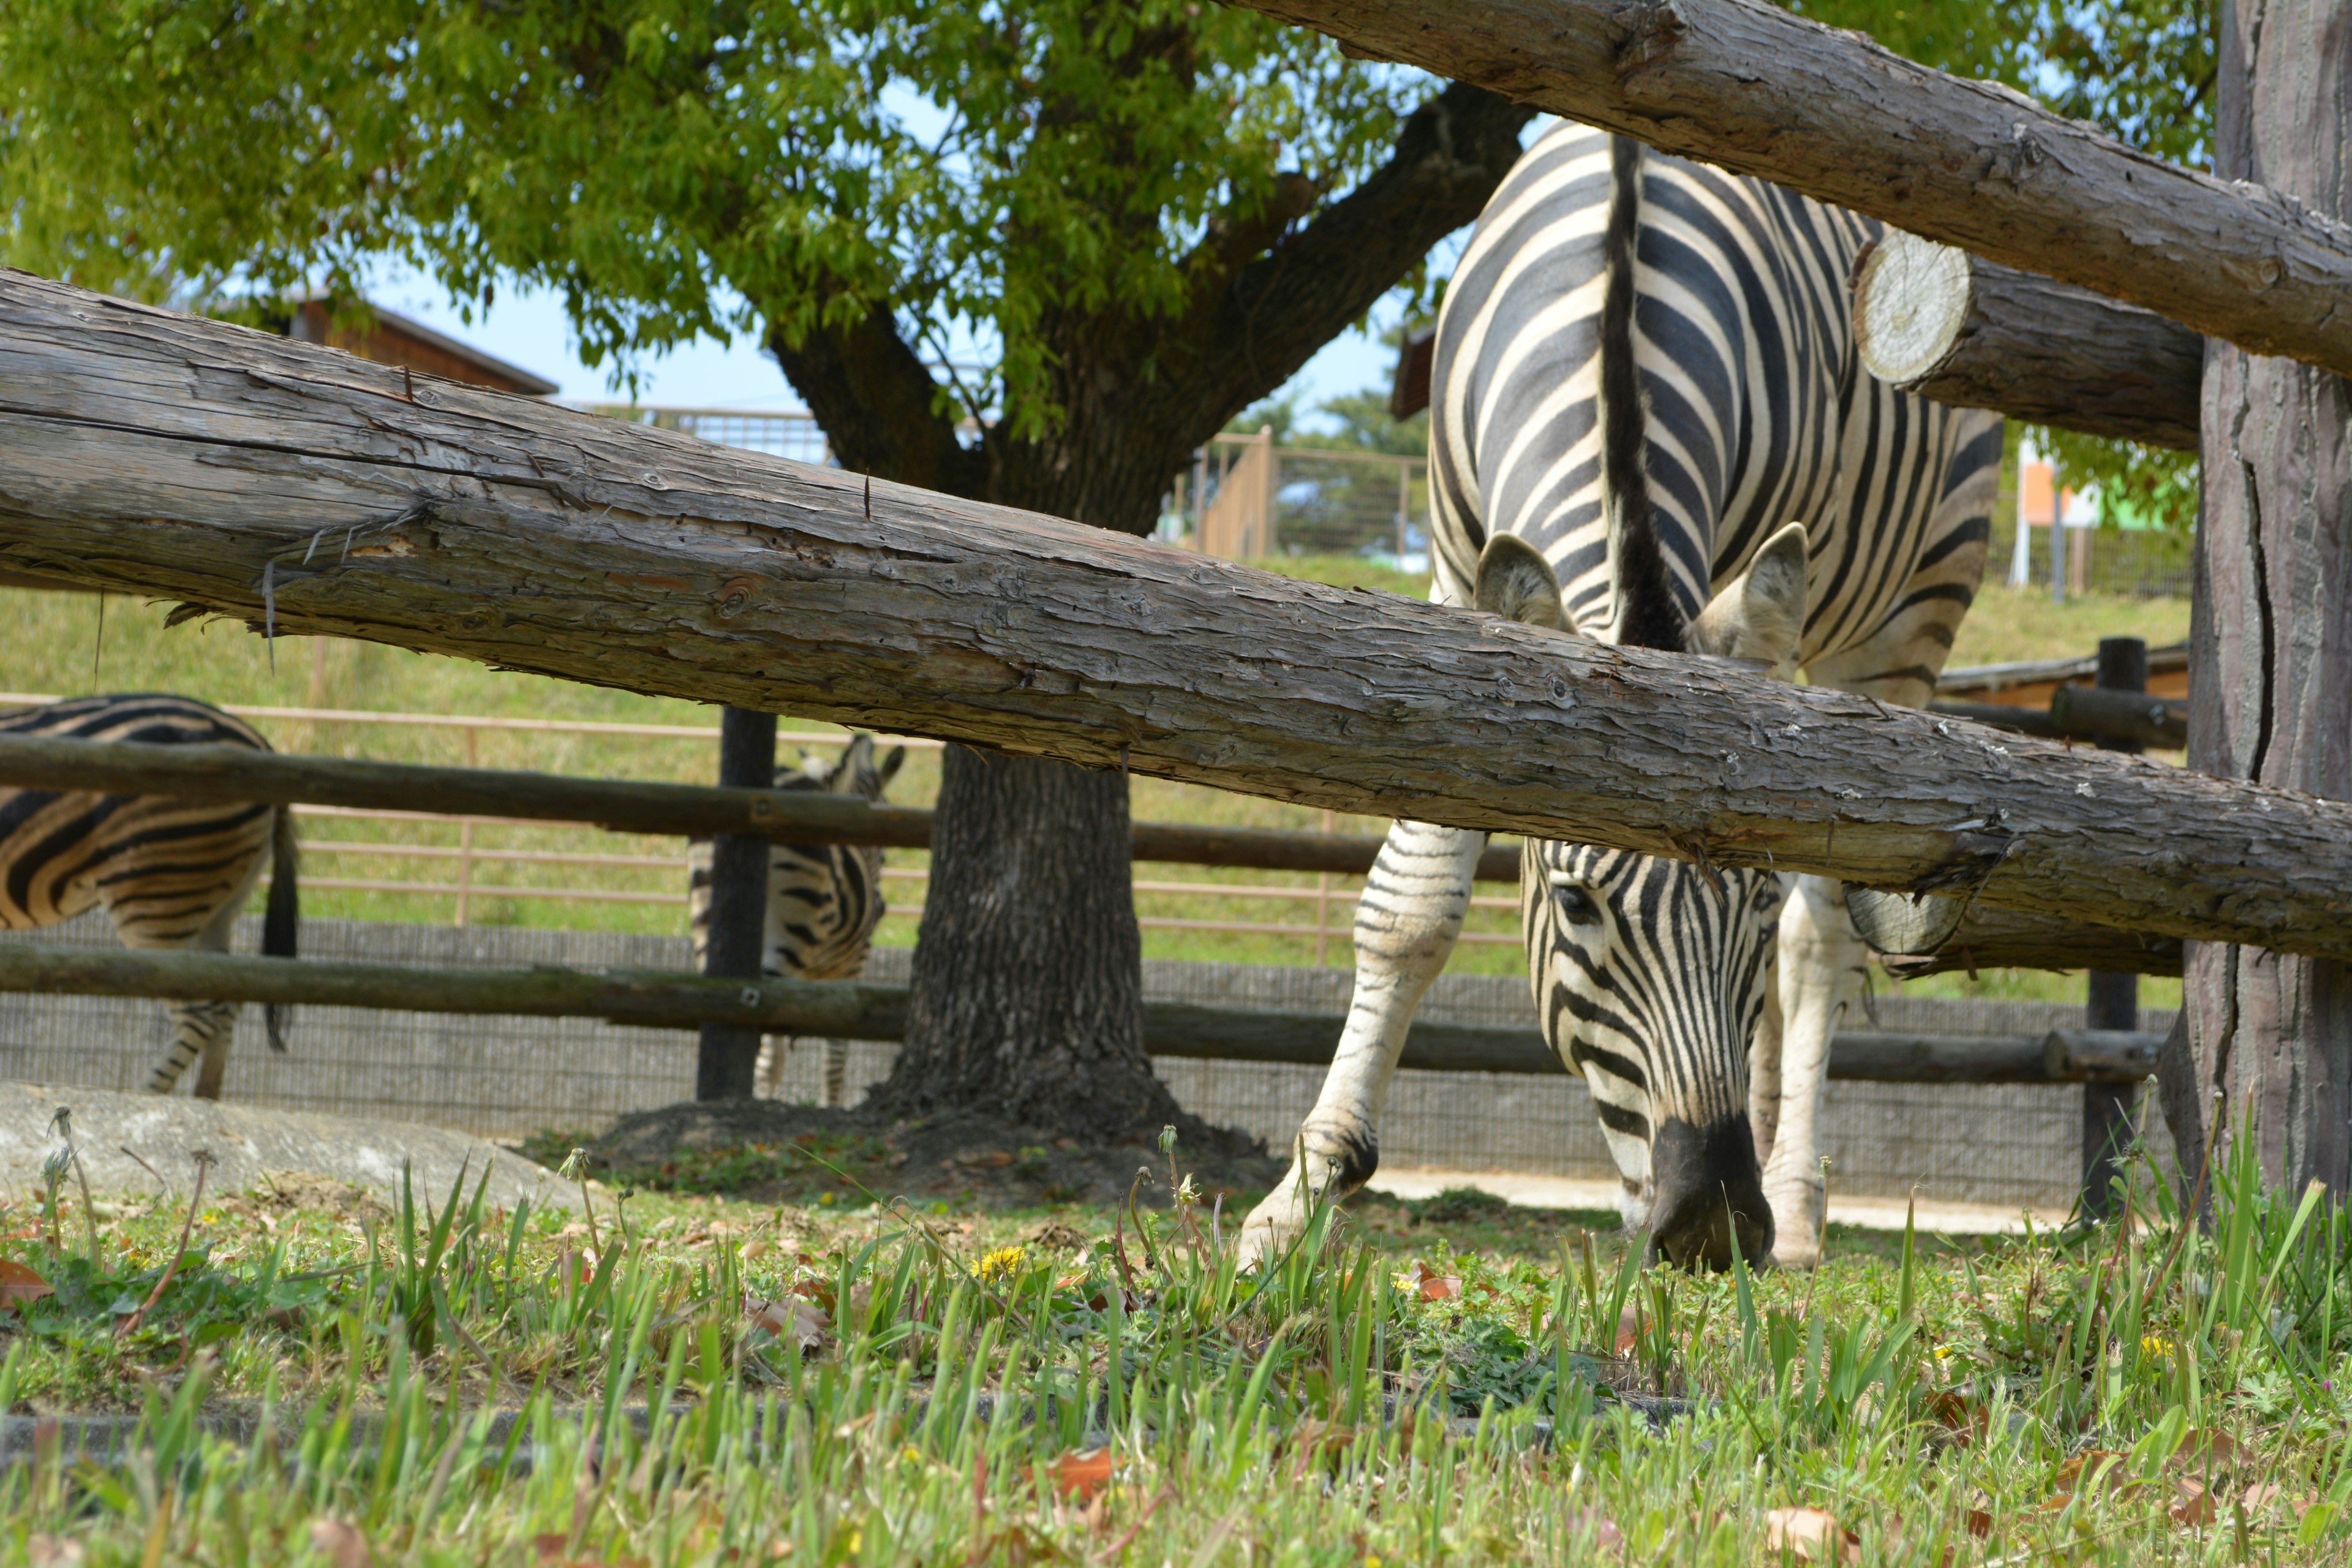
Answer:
x=1645 y=375
x=172 y=874
x=824 y=899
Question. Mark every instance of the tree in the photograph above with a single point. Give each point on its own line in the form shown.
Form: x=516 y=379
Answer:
x=1134 y=216
x=2269 y=1035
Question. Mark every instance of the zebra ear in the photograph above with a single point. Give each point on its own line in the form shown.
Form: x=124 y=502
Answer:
x=1516 y=583
x=1761 y=616
x=888 y=769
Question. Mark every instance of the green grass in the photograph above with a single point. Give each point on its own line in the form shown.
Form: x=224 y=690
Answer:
x=886 y=1387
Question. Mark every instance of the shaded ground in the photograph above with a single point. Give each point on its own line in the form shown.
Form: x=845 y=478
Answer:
x=768 y=1151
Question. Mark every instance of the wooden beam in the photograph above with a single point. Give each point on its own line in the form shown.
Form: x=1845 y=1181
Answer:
x=1936 y=321
x=302 y=489
x=2015 y=939
x=1970 y=164
x=622 y=805
x=853 y=1010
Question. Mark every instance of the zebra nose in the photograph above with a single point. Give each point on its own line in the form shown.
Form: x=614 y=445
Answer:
x=1709 y=1195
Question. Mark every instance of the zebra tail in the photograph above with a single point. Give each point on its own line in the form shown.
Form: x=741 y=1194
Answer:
x=1646 y=615
x=281 y=920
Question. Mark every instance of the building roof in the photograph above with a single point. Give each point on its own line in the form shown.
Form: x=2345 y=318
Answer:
x=397 y=339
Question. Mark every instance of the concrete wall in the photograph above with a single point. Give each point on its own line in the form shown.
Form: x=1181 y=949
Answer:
x=509 y=1076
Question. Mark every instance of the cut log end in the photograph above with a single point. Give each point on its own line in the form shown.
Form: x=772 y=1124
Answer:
x=1911 y=304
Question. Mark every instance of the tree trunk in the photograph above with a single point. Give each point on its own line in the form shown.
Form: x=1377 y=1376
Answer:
x=2270 y=644
x=1973 y=164
x=1936 y=321
x=1027 y=1001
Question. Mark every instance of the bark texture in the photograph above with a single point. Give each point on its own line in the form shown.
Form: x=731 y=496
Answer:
x=2271 y=641
x=1832 y=114
x=159 y=454
x=1961 y=330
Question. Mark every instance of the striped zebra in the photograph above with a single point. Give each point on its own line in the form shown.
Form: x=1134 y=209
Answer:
x=823 y=900
x=172 y=874
x=1649 y=427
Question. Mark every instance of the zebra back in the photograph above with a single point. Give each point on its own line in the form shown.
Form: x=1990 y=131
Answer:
x=165 y=869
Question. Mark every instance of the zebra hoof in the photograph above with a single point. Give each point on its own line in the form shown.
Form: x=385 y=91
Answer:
x=1799 y=1209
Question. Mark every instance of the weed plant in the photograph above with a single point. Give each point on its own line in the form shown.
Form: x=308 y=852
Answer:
x=450 y=1384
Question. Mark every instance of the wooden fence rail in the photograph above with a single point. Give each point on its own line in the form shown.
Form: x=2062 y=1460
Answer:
x=622 y=805
x=856 y=1011
x=297 y=487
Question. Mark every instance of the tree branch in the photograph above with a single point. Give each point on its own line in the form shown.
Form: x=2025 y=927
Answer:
x=1280 y=308
x=875 y=403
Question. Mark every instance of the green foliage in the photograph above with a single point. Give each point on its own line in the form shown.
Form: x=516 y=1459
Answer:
x=675 y=169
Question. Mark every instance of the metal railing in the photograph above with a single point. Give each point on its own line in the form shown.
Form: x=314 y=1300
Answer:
x=469 y=858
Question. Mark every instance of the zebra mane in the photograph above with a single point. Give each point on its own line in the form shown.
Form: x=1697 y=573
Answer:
x=1646 y=613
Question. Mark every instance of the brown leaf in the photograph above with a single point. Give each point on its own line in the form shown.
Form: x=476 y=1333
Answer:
x=2094 y=1469
x=340 y=1543
x=1432 y=1285
x=1978 y=1523
x=1081 y=1474
x=2203 y=1451
x=1629 y=1331
x=1605 y=1534
x=2192 y=1504
x=1962 y=1419
x=20 y=1285
x=792 y=1322
x=1811 y=1534
x=578 y=1266
x=53 y=1551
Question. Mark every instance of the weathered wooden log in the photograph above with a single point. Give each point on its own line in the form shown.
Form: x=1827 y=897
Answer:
x=235 y=773
x=297 y=487
x=1971 y=163
x=1934 y=320
x=853 y=1010
x=1935 y=936
x=2084 y=713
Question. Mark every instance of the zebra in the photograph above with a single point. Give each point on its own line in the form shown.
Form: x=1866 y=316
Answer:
x=172 y=874
x=823 y=900
x=1649 y=427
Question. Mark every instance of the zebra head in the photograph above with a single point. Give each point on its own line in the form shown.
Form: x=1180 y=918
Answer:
x=855 y=772
x=1650 y=974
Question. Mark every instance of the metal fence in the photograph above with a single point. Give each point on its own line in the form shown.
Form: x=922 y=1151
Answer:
x=507 y=1077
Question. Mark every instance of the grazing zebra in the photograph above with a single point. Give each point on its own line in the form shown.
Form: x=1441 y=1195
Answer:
x=1649 y=427
x=823 y=900
x=173 y=874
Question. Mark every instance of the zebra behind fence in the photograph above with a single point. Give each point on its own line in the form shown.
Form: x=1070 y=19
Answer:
x=172 y=874
x=1649 y=426
x=823 y=901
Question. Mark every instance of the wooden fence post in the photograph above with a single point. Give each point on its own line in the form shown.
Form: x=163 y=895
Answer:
x=738 y=906
x=2114 y=1001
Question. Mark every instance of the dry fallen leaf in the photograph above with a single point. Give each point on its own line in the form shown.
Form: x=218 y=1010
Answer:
x=19 y=1284
x=2097 y=1470
x=578 y=1266
x=1962 y=1419
x=1811 y=1534
x=792 y=1322
x=2192 y=1504
x=340 y=1543
x=53 y=1551
x=1081 y=1475
x=2203 y=1451
x=1604 y=1529
x=1978 y=1523
x=1629 y=1331
x=1432 y=1285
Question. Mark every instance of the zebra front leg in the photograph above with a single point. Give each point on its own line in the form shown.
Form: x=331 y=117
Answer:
x=201 y=1032
x=1820 y=960
x=1406 y=925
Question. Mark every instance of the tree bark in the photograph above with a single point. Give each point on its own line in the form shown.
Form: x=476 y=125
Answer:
x=2269 y=1033
x=1936 y=321
x=2015 y=939
x=159 y=454
x=735 y=945
x=1831 y=114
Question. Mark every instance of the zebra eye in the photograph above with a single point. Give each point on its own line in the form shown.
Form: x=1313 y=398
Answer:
x=1575 y=903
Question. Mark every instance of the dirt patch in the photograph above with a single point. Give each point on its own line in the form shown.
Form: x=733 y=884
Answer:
x=280 y=1192
x=769 y=1151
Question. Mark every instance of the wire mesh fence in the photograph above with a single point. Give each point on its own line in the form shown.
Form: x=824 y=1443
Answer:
x=501 y=1077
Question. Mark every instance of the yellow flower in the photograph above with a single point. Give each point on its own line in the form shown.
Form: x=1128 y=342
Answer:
x=2154 y=1345
x=1000 y=1264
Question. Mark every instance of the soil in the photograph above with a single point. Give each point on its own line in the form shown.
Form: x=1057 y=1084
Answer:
x=766 y=1152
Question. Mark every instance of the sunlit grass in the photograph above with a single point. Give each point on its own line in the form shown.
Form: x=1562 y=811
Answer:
x=701 y=1382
